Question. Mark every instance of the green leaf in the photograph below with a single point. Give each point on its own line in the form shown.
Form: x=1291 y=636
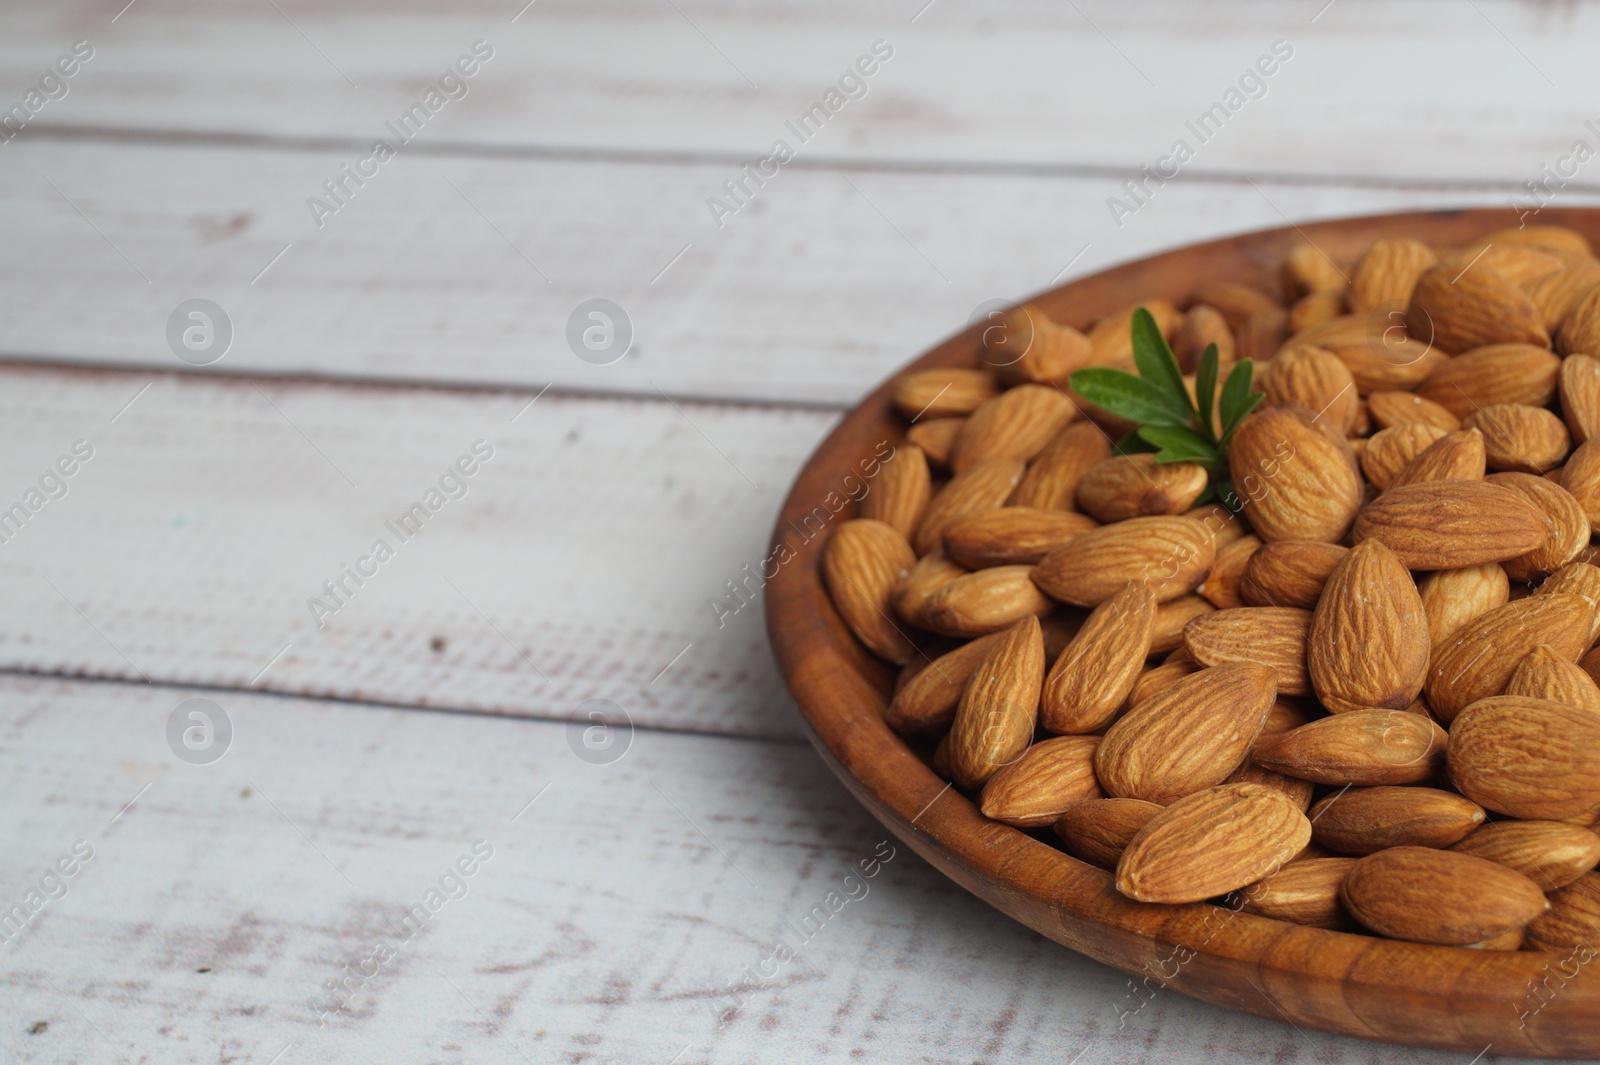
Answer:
x=1251 y=402
x=1129 y=397
x=1180 y=445
x=1237 y=399
x=1131 y=444
x=1205 y=387
x=1227 y=495
x=1154 y=359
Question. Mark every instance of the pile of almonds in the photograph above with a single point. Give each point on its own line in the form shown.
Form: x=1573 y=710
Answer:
x=1366 y=699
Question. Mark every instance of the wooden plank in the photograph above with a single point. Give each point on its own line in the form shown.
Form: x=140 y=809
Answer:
x=614 y=913
x=1499 y=91
x=581 y=562
x=819 y=288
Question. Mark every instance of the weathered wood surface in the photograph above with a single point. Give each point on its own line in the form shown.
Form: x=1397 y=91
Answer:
x=614 y=914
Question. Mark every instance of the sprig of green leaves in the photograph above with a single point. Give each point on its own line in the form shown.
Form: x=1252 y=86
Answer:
x=1175 y=427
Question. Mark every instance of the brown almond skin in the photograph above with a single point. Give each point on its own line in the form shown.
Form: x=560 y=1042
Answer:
x=1306 y=269
x=1544 y=674
x=1132 y=486
x=1457 y=456
x=1362 y=747
x=1556 y=294
x=1316 y=379
x=1010 y=536
x=985 y=601
x=1091 y=679
x=1306 y=891
x=1389 y=409
x=1434 y=896
x=1189 y=737
x=900 y=492
x=1387 y=272
x=1051 y=482
x=1289 y=573
x=1528 y=758
x=985 y=486
x=1236 y=302
x=1159 y=679
x=1576 y=578
x=1016 y=424
x=1452 y=524
x=862 y=562
x=1314 y=309
x=1099 y=830
x=1112 y=336
x=1221 y=588
x=936 y=436
x=1211 y=843
x=1172 y=555
x=1391 y=450
x=1049 y=779
x=1569 y=525
x=994 y=721
x=1274 y=637
x=1580 y=332
x=926 y=394
x=1368 y=642
x=1453 y=597
x=1294 y=789
x=927 y=703
x=1550 y=853
x=1477 y=662
x=1519 y=437
x=1581 y=477
x=1378 y=352
x=912 y=592
x=1573 y=921
x=1458 y=310
x=1296 y=482
x=1024 y=346
x=1498 y=373
x=1579 y=385
x=1203 y=326
x=1061 y=628
x=1171 y=619
x=1368 y=820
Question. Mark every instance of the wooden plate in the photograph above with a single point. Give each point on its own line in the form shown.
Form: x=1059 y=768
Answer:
x=1426 y=996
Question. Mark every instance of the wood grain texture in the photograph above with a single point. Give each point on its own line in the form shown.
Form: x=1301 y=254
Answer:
x=1443 y=998
x=613 y=914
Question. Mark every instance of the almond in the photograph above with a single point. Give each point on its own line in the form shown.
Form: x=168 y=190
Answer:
x=1564 y=242
x=1387 y=273
x=1012 y=535
x=1519 y=437
x=1460 y=309
x=1479 y=659
x=983 y=602
x=1289 y=573
x=1577 y=578
x=1376 y=348
x=1171 y=555
x=1520 y=264
x=927 y=703
x=1294 y=789
x=1049 y=779
x=1270 y=636
x=1389 y=409
x=1580 y=330
x=861 y=564
x=1434 y=896
x=912 y=592
x=1390 y=451
x=1308 y=269
x=1286 y=714
x=1016 y=424
x=1236 y=302
x=1210 y=843
x=936 y=436
x=1225 y=526
x=926 y=394
x=900 y=492
x=1202 y=326
x=1550 y=853
x=1091 y=679
x=1221 y=586
x=1171 y=618
x=1573 y=920
x=1131 y=486
x=1581 y=477
x=1024 y=345
x=1099 y=830
x=1569 y=526
x=1368 y=641
x=1453 y=597
x=1306 y=891
x=994 y=721
x=1159 y=679
x=1191 y=736
x=1457 y=456
x=1112 y=336
x=1528 y=758
x=1362 y=747
x=1555 y=294
x=1368 y=820
x=985 y=486
x=1314 y=309
x=1452 y=524
x=1051 y=482
x=1060 y=628
x=1579 y=385
x=1499 y=373
x=1296 y=482
x=1316 y=379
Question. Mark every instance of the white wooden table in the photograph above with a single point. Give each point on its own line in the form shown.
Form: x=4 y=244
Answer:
x=257 y=908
